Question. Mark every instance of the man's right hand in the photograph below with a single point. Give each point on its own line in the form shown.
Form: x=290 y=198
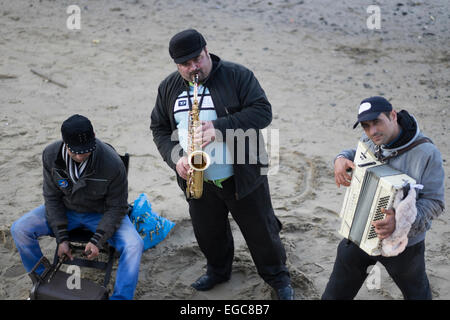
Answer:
x=341 y=176
x=183 y=167
x=64 y=249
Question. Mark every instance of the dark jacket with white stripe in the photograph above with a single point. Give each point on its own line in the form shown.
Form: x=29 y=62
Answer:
x=102 y=188
x=240 y=103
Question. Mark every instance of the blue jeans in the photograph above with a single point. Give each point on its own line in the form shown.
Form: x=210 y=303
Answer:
x=27 y=230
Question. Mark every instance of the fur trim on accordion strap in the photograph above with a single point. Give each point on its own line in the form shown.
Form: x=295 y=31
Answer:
x=405 y=215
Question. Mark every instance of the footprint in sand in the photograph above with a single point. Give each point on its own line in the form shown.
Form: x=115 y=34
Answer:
x=14 y=271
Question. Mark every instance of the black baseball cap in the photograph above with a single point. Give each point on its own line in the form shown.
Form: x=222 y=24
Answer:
x=186 y=45
x=370 y=109
x=78 y=134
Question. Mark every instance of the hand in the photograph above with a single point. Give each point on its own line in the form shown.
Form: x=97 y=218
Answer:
x=91 y=250
x=64 y=249
x=183 y=167
x=341 y=175
x=384 y=228
x=206 y=133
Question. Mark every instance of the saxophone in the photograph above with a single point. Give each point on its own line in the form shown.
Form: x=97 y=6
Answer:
x=198 y=160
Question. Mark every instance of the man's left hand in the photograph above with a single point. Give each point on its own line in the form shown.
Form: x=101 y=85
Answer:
x=91 y=250
x=384 y=228
x=206 y=133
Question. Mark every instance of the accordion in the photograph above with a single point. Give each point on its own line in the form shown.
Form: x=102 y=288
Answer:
x=374 y=186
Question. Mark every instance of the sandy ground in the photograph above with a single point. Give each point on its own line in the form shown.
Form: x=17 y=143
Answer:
x=315 y=59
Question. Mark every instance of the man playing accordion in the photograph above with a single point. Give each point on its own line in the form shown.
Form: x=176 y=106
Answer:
x=395 y=138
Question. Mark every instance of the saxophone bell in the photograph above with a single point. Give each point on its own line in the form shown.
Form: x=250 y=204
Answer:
x=199 y=160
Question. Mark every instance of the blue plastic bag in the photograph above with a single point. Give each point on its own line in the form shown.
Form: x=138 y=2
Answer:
x=152 y=228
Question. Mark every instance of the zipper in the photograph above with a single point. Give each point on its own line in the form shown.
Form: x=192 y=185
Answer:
x=94 y=179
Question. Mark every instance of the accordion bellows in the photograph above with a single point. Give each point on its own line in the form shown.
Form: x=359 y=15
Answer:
x=373 y=187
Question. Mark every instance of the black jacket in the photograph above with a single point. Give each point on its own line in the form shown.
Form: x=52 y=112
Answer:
x=102 y=188
x=240 y=103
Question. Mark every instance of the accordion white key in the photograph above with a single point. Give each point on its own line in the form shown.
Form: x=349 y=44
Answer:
x=373 y=186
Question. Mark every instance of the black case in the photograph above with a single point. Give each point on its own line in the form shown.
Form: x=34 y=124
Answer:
x=52 y=285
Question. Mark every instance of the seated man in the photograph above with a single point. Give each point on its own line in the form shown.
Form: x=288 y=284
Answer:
x=85 y=184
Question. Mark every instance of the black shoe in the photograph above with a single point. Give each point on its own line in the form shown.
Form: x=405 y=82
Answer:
x=286 y=293
x=206 y=282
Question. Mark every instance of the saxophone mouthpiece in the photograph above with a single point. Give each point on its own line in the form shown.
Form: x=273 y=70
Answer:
x=196 y=78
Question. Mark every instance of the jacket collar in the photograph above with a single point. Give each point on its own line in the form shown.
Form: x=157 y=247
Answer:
x=216 y=64
x=60 y=163
x=410 y=132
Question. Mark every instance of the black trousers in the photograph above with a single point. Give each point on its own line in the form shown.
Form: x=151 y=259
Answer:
x=350 y=271
x=256 y=219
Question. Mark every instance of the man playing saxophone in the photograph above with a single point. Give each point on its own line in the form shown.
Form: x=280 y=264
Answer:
x=229 y=99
